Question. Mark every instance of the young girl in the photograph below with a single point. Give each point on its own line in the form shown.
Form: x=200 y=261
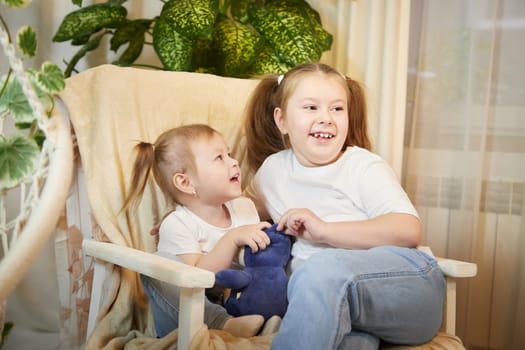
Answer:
x=193 y=168
x=356 y=277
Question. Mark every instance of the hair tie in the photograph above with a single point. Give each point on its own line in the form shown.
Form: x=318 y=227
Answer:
x=280 y=79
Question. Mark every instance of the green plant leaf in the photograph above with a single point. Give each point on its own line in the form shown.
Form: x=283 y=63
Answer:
x=239 y=10
x=14 y=102
x=80 y=40
x=288 y=33
x=89 y=20
x=129 y=31
x=133 y=33
x=92 y=44
x=18 y=159
x=16 y=3
x=303 y=9
x=174 y=50
x=268 y=62
x=132 y=52
x=204 y=57
x=192 y=35
x=191 y=18
x=237 y=46
x=27 y=41
x=51 y=78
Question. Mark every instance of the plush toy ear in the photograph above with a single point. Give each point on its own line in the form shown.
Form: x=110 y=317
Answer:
x=234 y=279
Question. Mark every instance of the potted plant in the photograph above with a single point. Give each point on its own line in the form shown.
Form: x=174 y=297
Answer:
x=237 y=38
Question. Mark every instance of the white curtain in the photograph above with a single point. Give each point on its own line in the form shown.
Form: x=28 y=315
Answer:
x=465 y=155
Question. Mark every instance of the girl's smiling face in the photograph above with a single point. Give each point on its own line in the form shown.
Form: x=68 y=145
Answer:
x=218 y=176
x=315 y=119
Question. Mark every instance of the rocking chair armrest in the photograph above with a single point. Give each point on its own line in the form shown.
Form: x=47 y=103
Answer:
x=151 y=265
x=457 y=268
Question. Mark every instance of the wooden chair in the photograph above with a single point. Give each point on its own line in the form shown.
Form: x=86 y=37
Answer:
x=110 y=108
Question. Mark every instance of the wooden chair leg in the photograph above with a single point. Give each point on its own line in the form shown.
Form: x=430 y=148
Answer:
x=191 y=316
x=449 y=321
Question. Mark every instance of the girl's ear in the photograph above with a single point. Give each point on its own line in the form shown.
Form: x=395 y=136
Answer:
x=278 y=117
x=183 y=183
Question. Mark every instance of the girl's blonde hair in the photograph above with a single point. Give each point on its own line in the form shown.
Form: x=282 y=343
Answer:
x=263 y=138
x=170 y=154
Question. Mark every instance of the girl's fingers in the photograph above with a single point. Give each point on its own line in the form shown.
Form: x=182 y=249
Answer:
x=253 y=246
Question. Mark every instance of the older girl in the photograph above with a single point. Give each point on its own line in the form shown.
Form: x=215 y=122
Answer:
x=357 y=277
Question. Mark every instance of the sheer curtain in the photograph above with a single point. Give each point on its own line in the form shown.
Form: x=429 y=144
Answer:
x=464 y=163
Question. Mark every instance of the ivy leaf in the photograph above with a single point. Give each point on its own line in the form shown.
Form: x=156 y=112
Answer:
x=27 y=41
x=16 y=3
x=14 y=102
x=51 y=78
x=191 y=18
x=18 y=159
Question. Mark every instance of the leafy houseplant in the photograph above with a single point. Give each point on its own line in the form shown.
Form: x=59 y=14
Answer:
x=238 y=38
x=19 y=151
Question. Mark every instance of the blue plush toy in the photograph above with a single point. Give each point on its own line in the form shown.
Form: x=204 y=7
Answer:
x=260 y=288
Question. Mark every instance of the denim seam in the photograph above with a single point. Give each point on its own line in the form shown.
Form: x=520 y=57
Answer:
x=344 y=292
x=419 y=272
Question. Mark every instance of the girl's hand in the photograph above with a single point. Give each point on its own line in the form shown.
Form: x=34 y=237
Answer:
x=251 y=235
x=303 y=223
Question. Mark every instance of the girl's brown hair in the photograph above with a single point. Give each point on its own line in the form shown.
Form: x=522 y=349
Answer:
x=263 y=138
x=170 y=154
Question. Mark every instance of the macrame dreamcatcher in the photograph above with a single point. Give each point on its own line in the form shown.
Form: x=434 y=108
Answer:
x=41 y=195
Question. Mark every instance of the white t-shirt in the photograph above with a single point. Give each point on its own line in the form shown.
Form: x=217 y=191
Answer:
x=360 y=185
x=183 y=232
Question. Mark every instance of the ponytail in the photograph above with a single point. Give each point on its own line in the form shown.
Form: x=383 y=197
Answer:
x=263 y=138
x=145 y=156
x=357 y=116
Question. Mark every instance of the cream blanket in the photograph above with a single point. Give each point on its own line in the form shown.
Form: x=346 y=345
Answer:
x=112 y=108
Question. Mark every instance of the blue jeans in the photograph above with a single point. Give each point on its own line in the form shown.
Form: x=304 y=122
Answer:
x=164 y=300
x=353 y=299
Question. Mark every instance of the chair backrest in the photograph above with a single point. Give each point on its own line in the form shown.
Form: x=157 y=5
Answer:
x=111 y=108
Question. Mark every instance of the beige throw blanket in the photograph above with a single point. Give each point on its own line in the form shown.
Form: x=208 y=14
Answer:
x=111 y=108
